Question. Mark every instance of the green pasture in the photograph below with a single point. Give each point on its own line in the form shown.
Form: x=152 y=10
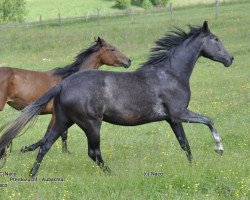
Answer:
x=48 y=9
x=74 y=8
x=219 y=92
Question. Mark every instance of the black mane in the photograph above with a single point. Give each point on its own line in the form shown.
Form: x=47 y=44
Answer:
x=170 y=41
x=74 y=67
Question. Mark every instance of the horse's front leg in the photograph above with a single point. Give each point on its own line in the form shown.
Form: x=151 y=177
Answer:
x=191 y=117
x=181 y=137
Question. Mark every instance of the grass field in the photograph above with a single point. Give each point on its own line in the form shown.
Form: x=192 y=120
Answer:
x=219 y=92
x=49 y=9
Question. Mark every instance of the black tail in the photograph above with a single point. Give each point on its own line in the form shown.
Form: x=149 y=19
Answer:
x=11 y=130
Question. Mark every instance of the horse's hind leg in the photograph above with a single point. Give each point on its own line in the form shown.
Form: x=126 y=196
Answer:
x=41 y=142
x=64 y=137
x=92 y=131
x=182 y=139
x=52 y=135
x=34 y=146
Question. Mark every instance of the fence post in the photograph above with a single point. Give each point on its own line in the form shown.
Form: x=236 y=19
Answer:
x=171 y=11
x=59 y=19
x=27 y=24
x=87 y=16
x=98 y=16
x=40 y=20
x=131 y=14
x=217 y=4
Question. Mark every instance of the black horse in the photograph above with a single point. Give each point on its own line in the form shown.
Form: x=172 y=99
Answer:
x=158 y=90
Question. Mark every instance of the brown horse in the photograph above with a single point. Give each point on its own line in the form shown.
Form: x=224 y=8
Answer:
x=18 y=87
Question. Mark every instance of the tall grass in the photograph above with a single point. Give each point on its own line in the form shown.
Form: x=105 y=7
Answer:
x=219 y=92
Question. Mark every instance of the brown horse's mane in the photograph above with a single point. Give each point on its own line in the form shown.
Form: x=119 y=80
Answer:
x=74 y=67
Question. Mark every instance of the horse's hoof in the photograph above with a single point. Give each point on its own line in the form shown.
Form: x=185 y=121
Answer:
x=32 y=174
x=219 y=151
x=189 y=157
x=24 y=149
x=66 y=151
x=2 y=162
x=106 y=170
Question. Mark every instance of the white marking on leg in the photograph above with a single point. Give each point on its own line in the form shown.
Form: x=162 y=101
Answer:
x=219 y=147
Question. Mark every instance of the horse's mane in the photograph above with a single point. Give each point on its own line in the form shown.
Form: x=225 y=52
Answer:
x=168 y=43
x=74 y=67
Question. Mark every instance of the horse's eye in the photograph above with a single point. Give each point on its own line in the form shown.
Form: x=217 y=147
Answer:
x=113 y=49
x=216 y=39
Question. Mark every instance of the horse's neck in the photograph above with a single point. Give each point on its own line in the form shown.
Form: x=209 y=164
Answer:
x=184 y=58
x=93 y=61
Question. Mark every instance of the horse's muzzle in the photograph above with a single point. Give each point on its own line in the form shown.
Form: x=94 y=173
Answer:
x=127 y=64
x=229 y=62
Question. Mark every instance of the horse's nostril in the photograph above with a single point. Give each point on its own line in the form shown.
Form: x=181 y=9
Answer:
x=232 y=58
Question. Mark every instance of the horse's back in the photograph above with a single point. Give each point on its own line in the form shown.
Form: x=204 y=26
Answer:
x=10 y=71
x=83 y=84
x=20 y=87
x=5 y=72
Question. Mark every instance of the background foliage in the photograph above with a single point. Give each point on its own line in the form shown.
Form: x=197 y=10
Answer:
x=122 y=4
x=12 y=10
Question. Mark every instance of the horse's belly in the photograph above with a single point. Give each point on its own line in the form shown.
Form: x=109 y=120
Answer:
x=19 y=104
x=132 y=119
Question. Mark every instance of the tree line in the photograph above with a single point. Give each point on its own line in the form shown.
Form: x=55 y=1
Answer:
x=123 y=4
x=12 y=10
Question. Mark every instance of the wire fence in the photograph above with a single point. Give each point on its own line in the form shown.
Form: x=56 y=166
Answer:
x=60 y=20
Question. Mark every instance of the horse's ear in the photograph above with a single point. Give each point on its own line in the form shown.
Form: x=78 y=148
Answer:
x=205 y=26
x=101 y=41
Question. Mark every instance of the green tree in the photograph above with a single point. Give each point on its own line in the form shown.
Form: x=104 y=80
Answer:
x=122 y=4
x=12 y=10
x=137 y=2
x=146 y=4
x=149 y=3
x=161 y=3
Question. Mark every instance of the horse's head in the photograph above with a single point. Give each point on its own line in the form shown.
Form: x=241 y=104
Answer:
x=112 y=56
x=213 y=49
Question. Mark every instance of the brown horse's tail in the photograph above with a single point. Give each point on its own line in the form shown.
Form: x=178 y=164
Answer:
x=11 y=130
